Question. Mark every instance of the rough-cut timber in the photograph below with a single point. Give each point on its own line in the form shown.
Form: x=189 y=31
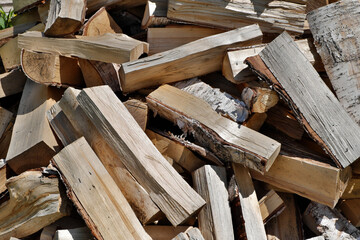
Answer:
x=190 y=60
x=259 y=99
x=272 y=16
x=2 y=177
x=139 y=110
x=96 y=195
x=160 y=232
x=155 y=13
x=12 y=82
x=336 y=32
x=352 y=190
x=215 y=218
x=284 y=67
x=35 y=201
x=65 y=17
x=225 y=138
x=100 y=23
x=175 y=198
x=114 y=48
x=270 y=205
x=22 y=5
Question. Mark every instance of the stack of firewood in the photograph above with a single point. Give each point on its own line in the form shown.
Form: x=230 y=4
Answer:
x=178 y=119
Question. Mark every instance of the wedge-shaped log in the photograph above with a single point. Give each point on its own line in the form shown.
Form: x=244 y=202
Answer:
x=270 y=205
x=273 y=17
x=190 y=60
x=314 y=105
x=114 y=48
x=175 y=198
x=84 y=175
x=100 y=23
x=139 y=110
x=353 y=188
x=51 y=69
x=32 y=142
x=12 y=82
x=36 y=200
x=70 y=123
x=65 y=17
x=227 y=140
x=160 y=232
x=155 y=13
x=215 y=218
x=335 y=28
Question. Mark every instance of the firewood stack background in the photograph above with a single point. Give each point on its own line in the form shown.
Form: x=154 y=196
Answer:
x=180 y=119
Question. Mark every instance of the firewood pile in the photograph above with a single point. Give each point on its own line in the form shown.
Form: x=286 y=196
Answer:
x=185 y=120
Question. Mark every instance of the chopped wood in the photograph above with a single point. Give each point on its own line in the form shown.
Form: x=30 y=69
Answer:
x=70 y=122
x=270 y=205
x=159 y=232
x=73 y=234
x=5 y=118
x=190 y=60
x=36 y=200
x=255 y=121
x=225 y=138
x=84 y=176
x=314 y=4
x=100 y=23
x=94 y=5
x=64 y=17
x=114 y=48
x=215 y=218
x=335 y=31
x=43 y=11
x=5 y=139
x=2 y=177
x=356 y=167
x=12 y=82
x=91 y=75
x=350 y=209
x=272 y=17
x=23 y=5
x=155 y=13
x=139 y=110
x=329 y=223
x=259 y=99
x=353 y=188
x=158 y=177
x=32 y=142
x=51 y=69
x=313 y=104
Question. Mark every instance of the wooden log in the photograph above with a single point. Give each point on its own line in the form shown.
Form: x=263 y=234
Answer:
x=100 y=23
x=158 y=177
x=222 y=136
x=335 y=31
x=350 y=209
x=190 y=60
x=353 y=188
x=65 y=17
x=313 y=104
x=255 y=121
x=91 y=76
x=155 y=13
x=73 y=234
x=259 y=99
x=273 y=17
x=2 y=177
x=114 y=48
x=250 y=208
x=215 y=218
x=5 y=139
x=12 y=83
x=51 y=69
x=329 y=223
x=5 y=118
x=35 y=201
x=314 y=4
x=159 y=232
x=70 y=123
x=94 y=5
x=270 y=205
x=84 y=176
x=139 y=110
x=32 y=142
x=43 y=11
x=23 y=5
x=192 y=233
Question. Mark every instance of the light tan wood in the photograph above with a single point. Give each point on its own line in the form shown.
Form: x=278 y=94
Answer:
x=22 y=5
x=5 y=118
x=51 y=69
x=215 y=218
x=225 y=138
x=190 y=60
x=155 y=13
x=94 y=5
x=114 y=48
x=250 y=208
x=159 y=232
x=91 y=76
x=84 y=176
x=175 y=198
x=32 y=142
x=192 y=233
x=262 y=99
x=70 y=123
x=255 y=121
x=270 y=205
x=43 y=10
x=353 y=188
x=100 y=23
x=73 y=234
x=139 y=110
x=2 y=177
x=12 y=82
x=35 y=201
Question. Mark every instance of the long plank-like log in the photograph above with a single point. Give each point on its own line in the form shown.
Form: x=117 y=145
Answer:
x=35 y=201
x=96 y=195
x=22 y=5
x=215 y=218
x=175 y=198
x=336 y=34
x=12 y=82
x=114 y=48
x=313 y=104
x=272 y=16
x=227 y=140
x=190 y=60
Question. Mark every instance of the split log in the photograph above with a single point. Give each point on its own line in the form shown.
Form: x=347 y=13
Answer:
x=12 y=83
x=225 y=138
x=84 y=176
x=270 y=205
x=43 y=11
x=36 y=200
x=175 y=198
x=255 y=121
x=190 y=60
x=5 y=139
x=5 y=118
x=159 y=232
x=114 y=48
x=329 y=223
x=250 y=208
x=2 y=177
x=91 y=76
x=272 y=17
x=15 y=30
x=32 y=142
x=139 y=110
x=65 y=17
x=51 y=69
x=314 y=4
x=23 y=5
x=73 y=234
x=215 y=218
x=259 y=99
x=313 y=104
x=222 y=103
x=350 y=209
x=94 y=5
x=155 y=13
x=70 y=122
x=353 y=188
x=335 y=31
x=190 y=234
x=100 y=23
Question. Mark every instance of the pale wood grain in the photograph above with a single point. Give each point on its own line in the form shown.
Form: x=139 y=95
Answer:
x=100 y=23
x=73 y=234
x=270 y=205
x=161 y=232
x=139 y=110
x=155 y=13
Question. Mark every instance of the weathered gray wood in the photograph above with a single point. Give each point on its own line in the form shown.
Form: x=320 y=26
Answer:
x=315 y=106
x=336 y=32
x=215 y=218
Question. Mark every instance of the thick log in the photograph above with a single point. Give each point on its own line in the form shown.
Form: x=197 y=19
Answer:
x=12 y=83
x=100 y=23
x=259 y=99
x=139 y=110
